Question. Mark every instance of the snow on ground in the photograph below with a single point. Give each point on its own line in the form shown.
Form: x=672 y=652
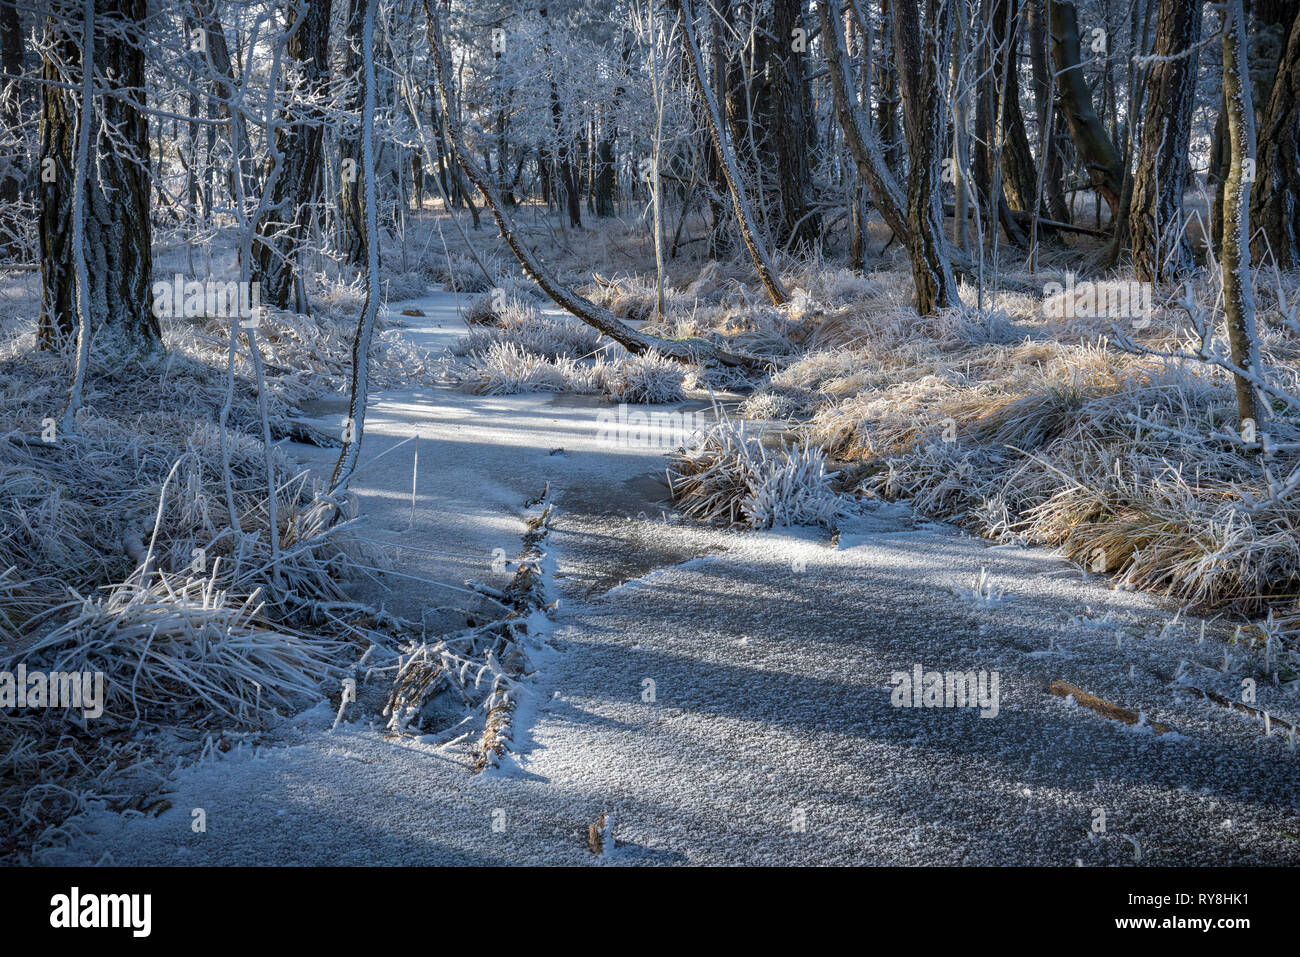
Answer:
x=768 y=734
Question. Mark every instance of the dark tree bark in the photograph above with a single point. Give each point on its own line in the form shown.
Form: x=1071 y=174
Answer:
x=888 y=99
x=1275 y=200
x=923 y=67
x=1045 y=110
x=285 y=228
x=352 y=231
x=11 y=150
x=1019 y=173
x=783 y=116
x=119 y=257
x=1157 y=237
x=1096 y=151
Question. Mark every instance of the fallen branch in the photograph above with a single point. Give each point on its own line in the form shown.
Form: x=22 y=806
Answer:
x=1239 y=706
x=1107 y=709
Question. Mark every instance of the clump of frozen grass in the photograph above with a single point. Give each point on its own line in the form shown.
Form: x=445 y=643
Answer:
x=728 y=475
x=505 y=368
x=777 y=404
x=521 y=324
x=165 y=651
x=397 y=286
x=459 y=272
x=979 y=591
x=1124 y=477
x=966 y=326
x=635 y=297
x=509 y=302
x=648 y=378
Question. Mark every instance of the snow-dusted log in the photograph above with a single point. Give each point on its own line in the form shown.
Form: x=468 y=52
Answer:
x=1155 y=215
x=776 y=291
x=1238 y=294
x=685 y=350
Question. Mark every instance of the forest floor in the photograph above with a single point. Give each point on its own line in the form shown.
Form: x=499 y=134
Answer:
x=770 y=736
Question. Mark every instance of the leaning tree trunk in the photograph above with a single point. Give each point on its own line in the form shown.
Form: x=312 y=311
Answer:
x=722 y=145
x=1157 y=237
x=599 y=318
x=868 y=153
x=922 y=68
x=787 y=137
x=1275 y=203
x=284 y=230
x=1096 y=151
x=1238 y=295
x=119 y=258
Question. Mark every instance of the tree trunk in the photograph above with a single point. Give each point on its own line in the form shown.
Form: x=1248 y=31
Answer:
x=887 y=95
x=1275 y=203
x=1096 y=151
x=783 y=114
x=1157 y=237
x=1019 y=174
x=119 y=258
x=352 y=226
x=922 y=67
x=224 y=89
x=1238 y=295
x=868 y=153
x=1045 y=110
x=11 y=172
x=283 y=231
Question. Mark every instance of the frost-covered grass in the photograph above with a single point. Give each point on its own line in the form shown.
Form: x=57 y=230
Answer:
x=728 y=475
x=518 y=348
x=1027 y=428
x=119 y=553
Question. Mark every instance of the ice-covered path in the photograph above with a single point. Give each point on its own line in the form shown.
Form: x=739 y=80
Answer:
x=726 y=696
